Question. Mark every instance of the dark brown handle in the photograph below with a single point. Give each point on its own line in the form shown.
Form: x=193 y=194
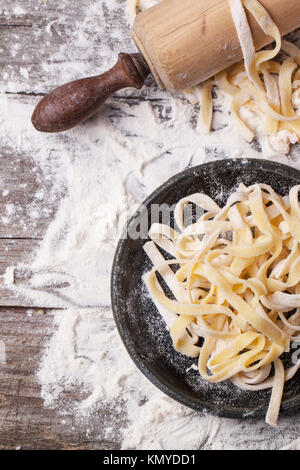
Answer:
x=72 y=103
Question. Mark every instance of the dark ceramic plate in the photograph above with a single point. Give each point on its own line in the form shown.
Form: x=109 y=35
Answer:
x=140 y=325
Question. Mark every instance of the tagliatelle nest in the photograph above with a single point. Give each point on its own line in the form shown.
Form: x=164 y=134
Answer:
x=238 y=274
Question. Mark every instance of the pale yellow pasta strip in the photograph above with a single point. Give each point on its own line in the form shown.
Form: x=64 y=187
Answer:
x=133 y=8
x=271 y=125
x=285 y=87
x=206 y=111
x=179 y=335
x=278 y=383
x=268 y=26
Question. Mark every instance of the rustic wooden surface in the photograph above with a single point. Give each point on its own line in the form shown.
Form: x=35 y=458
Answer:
x=31 y=35
x=37 y=39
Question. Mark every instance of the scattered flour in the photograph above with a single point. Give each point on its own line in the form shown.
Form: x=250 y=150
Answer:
x=105 y=168
x=295 y=445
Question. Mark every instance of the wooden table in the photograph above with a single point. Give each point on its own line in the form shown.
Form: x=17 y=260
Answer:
x=32 y=34
x=37 y=39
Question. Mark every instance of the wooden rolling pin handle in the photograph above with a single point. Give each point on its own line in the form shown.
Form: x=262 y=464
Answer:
x=72 y=103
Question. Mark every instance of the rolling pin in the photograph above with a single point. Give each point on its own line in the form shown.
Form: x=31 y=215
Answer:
x=182 y=42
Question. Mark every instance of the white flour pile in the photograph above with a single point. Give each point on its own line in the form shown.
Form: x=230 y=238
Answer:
x=106 y=168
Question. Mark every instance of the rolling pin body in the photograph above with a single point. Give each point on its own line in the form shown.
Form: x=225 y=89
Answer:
x=187 y=42
x=184 y=42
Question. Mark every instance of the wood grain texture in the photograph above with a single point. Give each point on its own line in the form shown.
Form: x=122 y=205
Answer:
x=21 y=184
x=73 y=103
x=23 y=419
x=37 y=40
x=199 y=39
x=13 y=252
x=40 y=39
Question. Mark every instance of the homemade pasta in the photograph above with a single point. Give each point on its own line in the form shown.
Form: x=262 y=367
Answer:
x=133 y=8
x=270 y=89
x=260 y=84
x=235 y=284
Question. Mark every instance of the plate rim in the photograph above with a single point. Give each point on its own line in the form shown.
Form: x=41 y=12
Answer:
x=163 y=386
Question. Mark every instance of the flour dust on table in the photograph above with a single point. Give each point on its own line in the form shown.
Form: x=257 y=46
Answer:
x=105 y=169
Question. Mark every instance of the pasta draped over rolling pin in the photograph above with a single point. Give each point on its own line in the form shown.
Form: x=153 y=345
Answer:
x=270 y=89
x=266 y=87
x=234 y=274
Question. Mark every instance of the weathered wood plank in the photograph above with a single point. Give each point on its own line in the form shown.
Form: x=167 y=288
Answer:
x=23 y=419
x=41 y=45
x=12 y=253
x=38 y=42
x=45 y=45
x=30 y=11
x=26 y=206
x=29 y=195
